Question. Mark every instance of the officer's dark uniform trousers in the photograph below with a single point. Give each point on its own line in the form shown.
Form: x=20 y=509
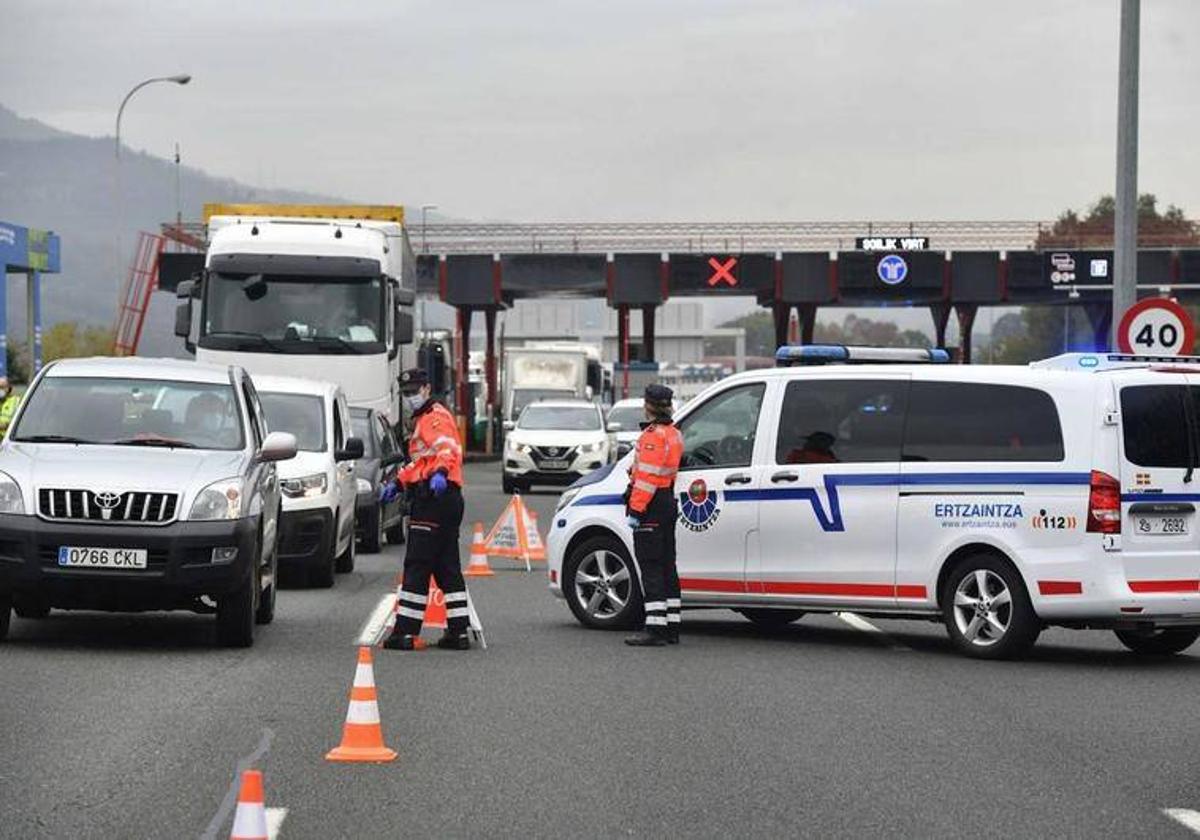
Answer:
x=654 y=545
x=433 y=525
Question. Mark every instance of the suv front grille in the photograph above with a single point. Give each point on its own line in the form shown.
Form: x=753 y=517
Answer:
x=553 y=453
x=134 y=506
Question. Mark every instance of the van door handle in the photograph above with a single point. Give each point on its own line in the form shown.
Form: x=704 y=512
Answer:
x=737 y=478
x=784 y=476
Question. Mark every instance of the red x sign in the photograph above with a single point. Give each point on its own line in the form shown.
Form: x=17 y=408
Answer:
x=721 y=271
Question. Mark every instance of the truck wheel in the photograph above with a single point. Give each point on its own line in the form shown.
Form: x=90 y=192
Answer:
x=5 y=614
x=987 y=611
x=345 y=561
x=1158 y=642
x=601 y=585
x=373 y=532
x=235 y=615
x=770 y=619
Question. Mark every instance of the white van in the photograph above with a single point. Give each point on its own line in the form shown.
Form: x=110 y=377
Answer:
x=316 y=532
x=996 y=499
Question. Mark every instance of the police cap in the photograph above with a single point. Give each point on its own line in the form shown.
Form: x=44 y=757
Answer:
x=413 y=379
x=658 y=394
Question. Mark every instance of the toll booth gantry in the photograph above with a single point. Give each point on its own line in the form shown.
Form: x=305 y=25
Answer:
x=33 y=253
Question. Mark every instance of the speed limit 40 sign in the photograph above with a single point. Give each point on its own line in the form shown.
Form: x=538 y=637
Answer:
x=1156 y=327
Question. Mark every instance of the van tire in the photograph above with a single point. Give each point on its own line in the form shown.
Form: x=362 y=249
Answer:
x=344 y=564
x=583 y=556
x=321 y=574
x=770 y=619
x=235 y=615
x=1165 y=642
x=395 y=534
x=373 y=532
x=1022 y=626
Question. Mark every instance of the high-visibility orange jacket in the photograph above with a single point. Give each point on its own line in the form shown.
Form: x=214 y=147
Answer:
x=654 y=466
x=434 y=446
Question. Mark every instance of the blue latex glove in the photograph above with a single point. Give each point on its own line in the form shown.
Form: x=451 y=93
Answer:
x=438 y=483
x=632 y=521
x=389 y=491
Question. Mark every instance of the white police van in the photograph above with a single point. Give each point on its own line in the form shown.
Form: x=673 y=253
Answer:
x=998 y=499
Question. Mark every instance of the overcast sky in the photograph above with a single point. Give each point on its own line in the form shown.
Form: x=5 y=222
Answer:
x=631 y=109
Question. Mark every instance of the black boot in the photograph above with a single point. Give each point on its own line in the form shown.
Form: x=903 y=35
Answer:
x=454 y=642
x=402 y=641
x=648 y=638
x=672 y=634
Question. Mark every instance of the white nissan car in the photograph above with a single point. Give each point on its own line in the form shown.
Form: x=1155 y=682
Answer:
x=995 y=499
x=555 y=442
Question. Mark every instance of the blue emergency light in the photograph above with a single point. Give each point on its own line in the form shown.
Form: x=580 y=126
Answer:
x=791 y=355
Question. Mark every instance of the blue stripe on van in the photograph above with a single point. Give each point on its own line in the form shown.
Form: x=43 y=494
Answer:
x=832 y=520
x=1160 y=497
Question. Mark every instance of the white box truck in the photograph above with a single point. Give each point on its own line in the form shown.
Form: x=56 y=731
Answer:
x=532 y=374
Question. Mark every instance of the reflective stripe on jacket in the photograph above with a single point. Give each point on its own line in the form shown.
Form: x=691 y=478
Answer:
x=434 y=446
x=654 y=466
x=7 y=409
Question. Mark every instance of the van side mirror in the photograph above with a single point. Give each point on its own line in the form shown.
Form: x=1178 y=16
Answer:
x=352 y=451
x=279 y=446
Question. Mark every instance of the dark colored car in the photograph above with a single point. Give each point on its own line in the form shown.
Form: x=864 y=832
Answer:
x=382 y=454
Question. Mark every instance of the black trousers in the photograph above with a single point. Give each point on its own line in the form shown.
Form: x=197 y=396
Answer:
x=433 y=526
x=654 y=545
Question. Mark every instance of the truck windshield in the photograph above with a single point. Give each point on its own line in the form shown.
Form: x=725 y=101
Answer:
x=526 y=396
x=293 y=313
x=131 y=412
x=302 y=415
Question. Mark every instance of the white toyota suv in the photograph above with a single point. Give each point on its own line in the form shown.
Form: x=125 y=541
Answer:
x=997 y=499
x=316 y=533
x=141 y=484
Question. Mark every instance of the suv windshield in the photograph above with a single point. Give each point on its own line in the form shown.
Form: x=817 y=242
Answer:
x=523 y=397
x=294 y=314
x=131 y=412
x=565 y=418
x=301 y=414
x=629 y=416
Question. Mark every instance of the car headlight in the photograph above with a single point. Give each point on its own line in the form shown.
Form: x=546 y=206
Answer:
x=220 y=500
x=519 y=447
x=305 y=487
x=566 y=499
x=591 y=447
x=364 y=486
x=10 y=495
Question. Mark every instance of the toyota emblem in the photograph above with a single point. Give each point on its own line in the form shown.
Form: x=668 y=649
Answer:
x=107 y=501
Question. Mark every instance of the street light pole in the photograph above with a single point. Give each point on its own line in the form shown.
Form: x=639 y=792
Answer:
x=178 y=79
x=425 y=208
x=1125 y=223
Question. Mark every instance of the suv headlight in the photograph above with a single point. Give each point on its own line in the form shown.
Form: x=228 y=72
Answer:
x=566 y=499
x=10 y=495
x=519 y=447
x=305 y=487
x=220 y=500
x=591 y=447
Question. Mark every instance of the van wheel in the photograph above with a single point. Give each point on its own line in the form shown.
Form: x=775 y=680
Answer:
x=373 y=532
x=769 y=619
x=395 y=534
x=345 y=561
x=321 y=574
x=5 y=613
x=601 y=585
x=235 y=615
x=1158 y=642
x=987 y=611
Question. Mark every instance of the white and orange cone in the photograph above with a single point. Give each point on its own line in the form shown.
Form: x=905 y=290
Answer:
x=362 y=736
x=250 y=818
x=478 y=567
x=435 y=610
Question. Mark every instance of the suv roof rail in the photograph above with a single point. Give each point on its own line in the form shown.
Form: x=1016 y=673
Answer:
x=1108 y=361
x=791 y=355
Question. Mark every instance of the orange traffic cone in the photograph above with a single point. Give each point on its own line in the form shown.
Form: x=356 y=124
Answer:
x=478 y=567
x=435 y=610
x=250 y=819
x=362 y=736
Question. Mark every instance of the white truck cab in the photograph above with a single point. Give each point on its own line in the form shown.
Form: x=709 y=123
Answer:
x=998 y=499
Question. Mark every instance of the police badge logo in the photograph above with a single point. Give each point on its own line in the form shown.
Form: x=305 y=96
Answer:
x=698 y=506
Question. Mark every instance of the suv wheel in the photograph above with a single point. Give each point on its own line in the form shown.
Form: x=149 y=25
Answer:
x=345 y=561
x=5 y=613
x=31 y=607
x=987 y=611
x=601 y=585
x=265 y=613
x=1159 y=642
x=373 y=531
x=771 y=619
x=235 y=615
x=506 y=484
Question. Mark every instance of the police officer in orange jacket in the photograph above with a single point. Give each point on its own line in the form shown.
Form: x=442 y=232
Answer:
x=651 y=511
x=433 y=480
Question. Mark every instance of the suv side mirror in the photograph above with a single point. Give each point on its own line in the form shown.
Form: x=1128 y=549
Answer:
x=279 y=446
x=509 y=425
x=352 y=451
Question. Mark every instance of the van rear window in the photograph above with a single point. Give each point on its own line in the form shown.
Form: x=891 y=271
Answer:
x=1160 y=424
x=967 y=421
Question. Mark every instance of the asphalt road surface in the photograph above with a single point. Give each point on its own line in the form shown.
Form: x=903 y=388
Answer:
x=134 y=726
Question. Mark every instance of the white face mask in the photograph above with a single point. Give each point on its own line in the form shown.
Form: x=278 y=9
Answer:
x=414 y=402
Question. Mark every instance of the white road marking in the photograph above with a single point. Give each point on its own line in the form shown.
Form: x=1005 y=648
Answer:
x=1185 y=817
x=230 y=801
x=377 y=621
x=275 y=818
x=859 y=623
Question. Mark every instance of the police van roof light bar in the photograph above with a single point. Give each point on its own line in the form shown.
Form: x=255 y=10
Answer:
x=828 y=354
x=1108 y=361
